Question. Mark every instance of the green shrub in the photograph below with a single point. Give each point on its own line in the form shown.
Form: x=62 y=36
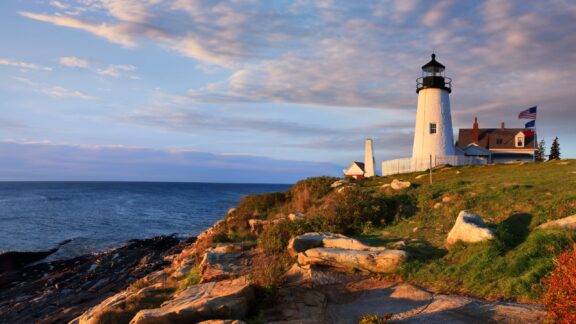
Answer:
x=268 y=269
x=306 y=193
x=275 y=238
x=191 y=278
x=138 y=284
x=351 y=211
x=374 y=319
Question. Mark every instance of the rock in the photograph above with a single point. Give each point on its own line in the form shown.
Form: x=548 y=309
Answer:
x=223 y=265
x=93 y=315
x=219 y=321
x=212 y=300
x=386 y=185
x=399 y=185
x=411 y=304
x=378 y=262
x=398 y=245
x=415 y=229
x=231 y=211
x=566 y=222
x=298 y=305
x=446 y=199
x=339 y=183
x=257 y=225
x=469 y=228
x=307 y=241
x=296 y=216
x=344 y=189
x=437 y=205
x=421 y=176
x=317 y=276
x=233 y=247
x=182 y=271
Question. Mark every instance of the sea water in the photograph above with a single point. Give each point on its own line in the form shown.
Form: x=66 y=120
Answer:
x=100 y=215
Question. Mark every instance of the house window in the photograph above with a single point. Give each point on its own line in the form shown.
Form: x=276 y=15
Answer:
x=519 y=141
x=432 y=128
x=498 y=141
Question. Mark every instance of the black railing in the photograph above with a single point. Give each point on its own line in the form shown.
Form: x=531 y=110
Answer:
x=434 y=82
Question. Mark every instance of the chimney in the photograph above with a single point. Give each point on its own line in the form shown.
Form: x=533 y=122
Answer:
x=368 y=159
x=475 y=132
x=502 y=125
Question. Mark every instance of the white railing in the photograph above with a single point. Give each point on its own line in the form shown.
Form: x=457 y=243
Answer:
x=408 y=165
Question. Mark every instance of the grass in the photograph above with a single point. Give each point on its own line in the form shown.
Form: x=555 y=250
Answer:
x=513 y=199
x=191 y=278
x=125 y=312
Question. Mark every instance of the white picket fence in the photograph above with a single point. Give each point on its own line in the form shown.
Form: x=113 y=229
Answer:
x=408 y=165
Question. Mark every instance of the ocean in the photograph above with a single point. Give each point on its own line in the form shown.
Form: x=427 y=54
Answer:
x=97 y=216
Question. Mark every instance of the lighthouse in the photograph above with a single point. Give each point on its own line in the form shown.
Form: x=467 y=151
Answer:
x=433 y=136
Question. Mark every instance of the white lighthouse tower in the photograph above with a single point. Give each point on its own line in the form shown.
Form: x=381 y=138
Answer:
x=433 y=136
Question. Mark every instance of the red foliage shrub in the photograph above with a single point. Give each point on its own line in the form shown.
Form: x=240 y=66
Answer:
x=560 y=295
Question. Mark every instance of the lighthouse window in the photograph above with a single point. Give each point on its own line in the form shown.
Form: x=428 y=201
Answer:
x=432 y=128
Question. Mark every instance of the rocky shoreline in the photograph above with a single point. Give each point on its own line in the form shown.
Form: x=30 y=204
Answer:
x=59 y=291
x=251 y=267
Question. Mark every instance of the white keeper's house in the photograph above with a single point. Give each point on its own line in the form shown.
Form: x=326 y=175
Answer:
x=434 y=137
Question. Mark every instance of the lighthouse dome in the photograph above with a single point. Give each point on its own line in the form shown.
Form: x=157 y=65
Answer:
x=433 y=66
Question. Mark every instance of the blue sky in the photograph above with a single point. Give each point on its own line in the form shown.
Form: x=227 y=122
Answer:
x=263 y=91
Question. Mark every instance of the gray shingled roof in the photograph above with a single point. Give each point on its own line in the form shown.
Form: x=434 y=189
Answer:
x=506 y=134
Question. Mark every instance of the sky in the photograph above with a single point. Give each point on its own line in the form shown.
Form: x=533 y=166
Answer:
x=263 y=91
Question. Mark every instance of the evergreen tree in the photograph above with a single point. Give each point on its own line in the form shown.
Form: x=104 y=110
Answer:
x=540 y=152
x=554 y=150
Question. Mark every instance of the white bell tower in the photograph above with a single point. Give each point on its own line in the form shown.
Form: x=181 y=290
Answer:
x=433 y=135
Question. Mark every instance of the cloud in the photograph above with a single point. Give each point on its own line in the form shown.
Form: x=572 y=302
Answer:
x=502 y=55
x=75 y=62
x=117 y=70
x=190 y=120
x=61 y=92
x=23 y=65
x=110 y=70
x=54 y=90
x=120 y=34
x=44 y=161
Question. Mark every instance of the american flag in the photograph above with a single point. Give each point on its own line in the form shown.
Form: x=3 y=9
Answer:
x=529 y=113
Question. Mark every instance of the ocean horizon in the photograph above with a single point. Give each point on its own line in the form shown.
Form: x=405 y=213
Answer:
x=99 y=215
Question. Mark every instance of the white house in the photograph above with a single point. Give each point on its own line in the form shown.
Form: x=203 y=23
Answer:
x=498 y=145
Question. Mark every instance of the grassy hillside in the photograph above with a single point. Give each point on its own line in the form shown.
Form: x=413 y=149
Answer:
x=512 y=198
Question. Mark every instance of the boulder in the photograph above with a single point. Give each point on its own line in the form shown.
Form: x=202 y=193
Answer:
x=307 y=241
x=112 y=304
x=217 y=265
x=296 y=216
x=399 y=185
x=469 y=228
x=213 y=300
x=385 y=261
x=566 y=222
x=219 y=321
x=257 y=226
x=339 y=183
x=317 y=276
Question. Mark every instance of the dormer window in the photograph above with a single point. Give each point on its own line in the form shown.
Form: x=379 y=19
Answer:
x=519 y=139
x=499 y=141
x=432 y=128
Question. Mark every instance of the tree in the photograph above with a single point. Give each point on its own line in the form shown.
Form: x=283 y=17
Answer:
x=554 y=150
x=540 y=152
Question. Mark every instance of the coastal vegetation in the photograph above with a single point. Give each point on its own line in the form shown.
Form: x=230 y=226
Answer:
x=512 y=198
x=246 y=258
